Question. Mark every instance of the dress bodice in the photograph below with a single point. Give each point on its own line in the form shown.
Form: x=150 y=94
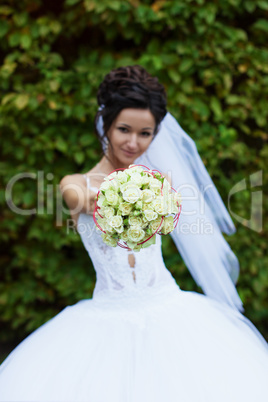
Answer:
x=113 y=271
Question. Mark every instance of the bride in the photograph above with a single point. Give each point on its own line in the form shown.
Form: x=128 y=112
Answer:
x=141 y=337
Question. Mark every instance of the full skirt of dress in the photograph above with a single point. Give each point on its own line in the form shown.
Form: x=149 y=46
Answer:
x=181 y=346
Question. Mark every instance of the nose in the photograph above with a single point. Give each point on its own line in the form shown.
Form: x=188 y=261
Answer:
x=132 y=142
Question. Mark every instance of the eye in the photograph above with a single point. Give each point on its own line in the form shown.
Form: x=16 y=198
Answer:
x=123 y=129
x=146 y=134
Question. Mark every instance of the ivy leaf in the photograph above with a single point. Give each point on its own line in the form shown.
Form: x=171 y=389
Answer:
x=216 y=106
x=79 y=157
x=26 y=41
x=185 y=65
x=261 y=24
x=61 y=145
x=21 y=101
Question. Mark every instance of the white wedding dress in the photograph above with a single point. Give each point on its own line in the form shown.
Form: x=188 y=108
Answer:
x=139 y=339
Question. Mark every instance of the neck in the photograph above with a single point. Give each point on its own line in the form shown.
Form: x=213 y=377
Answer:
x=108 y=164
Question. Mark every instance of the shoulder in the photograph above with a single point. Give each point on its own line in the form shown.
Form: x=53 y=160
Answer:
x=75 y=179
x=72 y=181
x=95 y=177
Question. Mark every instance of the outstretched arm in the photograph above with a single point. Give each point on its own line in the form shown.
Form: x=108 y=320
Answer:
x=77 y=196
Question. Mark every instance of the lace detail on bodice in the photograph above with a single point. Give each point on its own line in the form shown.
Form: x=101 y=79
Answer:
x=113 y=271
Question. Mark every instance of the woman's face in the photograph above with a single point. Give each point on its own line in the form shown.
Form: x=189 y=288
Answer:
x=130 y=135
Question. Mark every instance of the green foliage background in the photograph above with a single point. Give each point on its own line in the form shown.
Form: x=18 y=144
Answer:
x=212 y=58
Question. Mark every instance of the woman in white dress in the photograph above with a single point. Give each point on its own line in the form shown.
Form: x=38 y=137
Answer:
x=142 y=338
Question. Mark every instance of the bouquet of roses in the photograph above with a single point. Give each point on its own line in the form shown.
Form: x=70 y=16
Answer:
x=133 y=205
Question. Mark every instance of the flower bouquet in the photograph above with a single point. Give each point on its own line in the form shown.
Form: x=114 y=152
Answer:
x=133 y=205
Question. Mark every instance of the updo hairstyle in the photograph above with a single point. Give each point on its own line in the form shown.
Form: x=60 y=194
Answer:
x=129 y=87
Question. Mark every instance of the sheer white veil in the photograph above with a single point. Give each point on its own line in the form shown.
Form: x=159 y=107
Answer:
x=198 y=235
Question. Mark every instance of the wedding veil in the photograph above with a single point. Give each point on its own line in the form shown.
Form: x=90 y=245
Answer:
x=198 y=235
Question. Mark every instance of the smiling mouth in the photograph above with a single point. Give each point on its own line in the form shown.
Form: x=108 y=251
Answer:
x=129 y=153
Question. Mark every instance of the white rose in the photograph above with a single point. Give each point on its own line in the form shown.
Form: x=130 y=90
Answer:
x=125 y=208
x=173 y=202
x=115 y=185
x=115 y=221
x=147 y=196
x=110 y=176
x=105 y=225
x=169 y=203
x=148 y=206
x=105 y=185
x=101 y=198
x=124 y=186
x=101 y=222
x=108 y=212
x=156 y=225
x=145 y=223
x=146 y=179
x=166 y=185
x=160 y=206
x=127 y=185
x=120 y=229
x=124 y=235
x=136 y=178
x=150 y=215
x=135 y=220
x=168 y=225
x=111 y=197
x=122 y=177
x=134 y=168
x=135 y=234
x=132 y=194
x=155 y=185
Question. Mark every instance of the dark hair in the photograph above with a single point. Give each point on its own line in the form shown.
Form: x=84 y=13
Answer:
x=129 y=87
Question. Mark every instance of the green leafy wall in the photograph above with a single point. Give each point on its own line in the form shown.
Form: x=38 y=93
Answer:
x=212 y=58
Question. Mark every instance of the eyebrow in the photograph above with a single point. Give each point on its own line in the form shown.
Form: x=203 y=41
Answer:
x=144 y=128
